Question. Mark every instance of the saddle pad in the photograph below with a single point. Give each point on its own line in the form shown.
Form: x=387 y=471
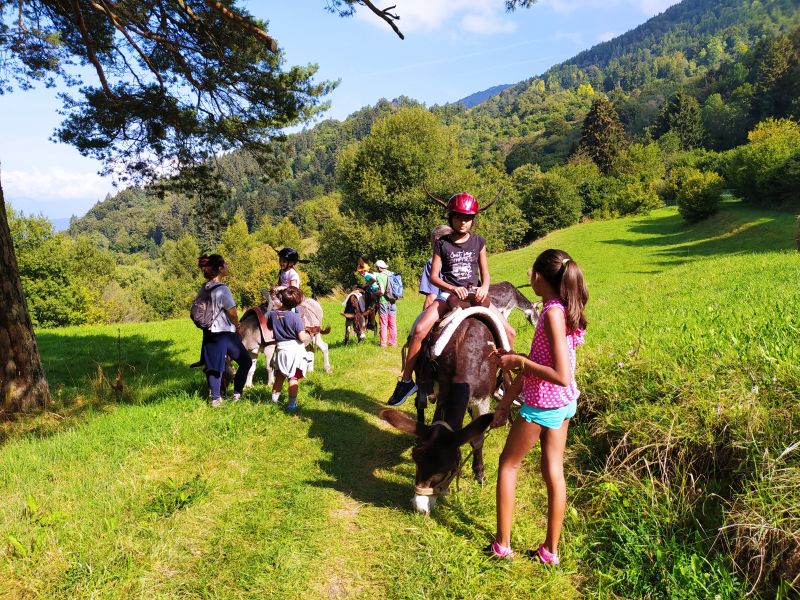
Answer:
x=311 y=313
x=451 y=322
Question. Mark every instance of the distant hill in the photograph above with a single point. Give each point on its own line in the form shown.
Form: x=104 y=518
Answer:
x=478 y=97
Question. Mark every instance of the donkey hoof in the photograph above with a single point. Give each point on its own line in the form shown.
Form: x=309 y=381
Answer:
x=480 y=478
x=328 y=370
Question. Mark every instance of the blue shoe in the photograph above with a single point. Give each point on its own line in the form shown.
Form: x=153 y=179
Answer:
x=292 y=406
x=402 y=392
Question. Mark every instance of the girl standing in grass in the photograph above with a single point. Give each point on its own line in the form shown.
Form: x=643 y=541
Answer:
x=547 y=382
x=291 y=358
x=221 y=339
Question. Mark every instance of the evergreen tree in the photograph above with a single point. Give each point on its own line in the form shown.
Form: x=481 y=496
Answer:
x=681 y=115
x=602 y=136
x=774 y=87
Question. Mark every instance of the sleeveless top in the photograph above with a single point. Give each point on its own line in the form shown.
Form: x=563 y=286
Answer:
x=537 y=392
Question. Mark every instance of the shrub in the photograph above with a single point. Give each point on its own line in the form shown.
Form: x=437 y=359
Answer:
x=549 y=201
x=754 y=169
x=608 y=197
x=697 y=193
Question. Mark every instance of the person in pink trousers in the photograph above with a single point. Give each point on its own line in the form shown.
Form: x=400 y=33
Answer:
x=387 y=309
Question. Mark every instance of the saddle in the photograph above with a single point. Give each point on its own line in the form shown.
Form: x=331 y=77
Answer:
x=440 y=335
x=261 y=313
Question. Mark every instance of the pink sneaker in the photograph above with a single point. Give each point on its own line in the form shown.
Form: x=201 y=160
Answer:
x=547 y=557
x=495 y=550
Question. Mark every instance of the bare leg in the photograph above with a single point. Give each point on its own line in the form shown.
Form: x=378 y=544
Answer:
x=553 y=443
x=421 y=329
x=278 y=385
x=521 y=438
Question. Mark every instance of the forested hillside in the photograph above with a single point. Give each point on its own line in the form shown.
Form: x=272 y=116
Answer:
x=698 y=102
x=704 y=46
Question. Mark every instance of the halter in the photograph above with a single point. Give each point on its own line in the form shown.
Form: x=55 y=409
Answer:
x=454 y=473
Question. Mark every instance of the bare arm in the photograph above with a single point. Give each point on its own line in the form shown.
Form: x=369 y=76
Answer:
x=483 y=263
x=559 y=373
x=233 y=315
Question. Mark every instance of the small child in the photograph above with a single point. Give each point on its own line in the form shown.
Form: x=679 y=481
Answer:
x=291 y=358
x=547 y=382
x=287 y=276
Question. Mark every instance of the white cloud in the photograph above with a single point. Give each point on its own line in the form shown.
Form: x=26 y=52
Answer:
x=649 y=8
x=55 y=184
x=485 y=17
x=486 y=24
x=607 y=35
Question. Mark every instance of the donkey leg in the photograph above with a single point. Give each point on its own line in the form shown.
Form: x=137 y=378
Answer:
x=476 y=410
x=269 y=353
x=249 y=381
x=323 y=347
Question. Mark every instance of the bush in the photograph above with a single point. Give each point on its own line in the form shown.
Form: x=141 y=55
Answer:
x=549 y=201
x=754 y=170
x=608 y=197
x=697 y=193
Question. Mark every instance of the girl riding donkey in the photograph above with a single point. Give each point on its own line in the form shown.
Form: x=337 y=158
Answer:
x=287 y=276
x=547 y=383
x=459 y=268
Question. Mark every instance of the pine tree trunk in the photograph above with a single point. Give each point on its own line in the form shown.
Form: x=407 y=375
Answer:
x=22 y=382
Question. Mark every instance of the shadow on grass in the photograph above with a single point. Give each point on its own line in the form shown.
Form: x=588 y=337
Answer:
x=731 y=231
x=81 y=370
x=357 y=449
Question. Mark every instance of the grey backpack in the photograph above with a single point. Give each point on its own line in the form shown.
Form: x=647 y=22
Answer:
x=202 y=308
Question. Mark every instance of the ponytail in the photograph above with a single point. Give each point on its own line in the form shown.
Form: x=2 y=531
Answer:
x=574 y=294
x=565 y=276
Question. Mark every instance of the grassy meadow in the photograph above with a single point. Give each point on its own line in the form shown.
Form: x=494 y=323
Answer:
x=682 y=474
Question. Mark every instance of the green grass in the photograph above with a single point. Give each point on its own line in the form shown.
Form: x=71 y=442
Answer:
x=689 y=378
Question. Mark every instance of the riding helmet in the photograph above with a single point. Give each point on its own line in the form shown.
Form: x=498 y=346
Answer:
x=463 y=203
x=288 y=254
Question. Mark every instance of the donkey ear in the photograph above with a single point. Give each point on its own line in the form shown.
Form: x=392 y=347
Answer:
x=403 y=422
x=474 y=429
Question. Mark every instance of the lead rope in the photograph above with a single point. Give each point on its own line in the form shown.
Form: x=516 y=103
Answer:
x=466 y=458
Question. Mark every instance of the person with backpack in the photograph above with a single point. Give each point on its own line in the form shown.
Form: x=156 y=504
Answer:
x=214 y=311
x=387 y=307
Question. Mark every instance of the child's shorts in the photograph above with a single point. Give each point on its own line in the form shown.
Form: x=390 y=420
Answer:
x=552 y=418
x=298 y=374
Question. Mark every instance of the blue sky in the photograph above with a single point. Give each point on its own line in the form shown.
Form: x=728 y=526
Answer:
x=453 y=48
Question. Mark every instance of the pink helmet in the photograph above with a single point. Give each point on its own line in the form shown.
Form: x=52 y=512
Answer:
x=463 y=203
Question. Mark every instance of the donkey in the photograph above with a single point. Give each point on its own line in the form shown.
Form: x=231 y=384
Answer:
x=257 y=338
x=358 y=317
x=506 y=297
x=466 y=374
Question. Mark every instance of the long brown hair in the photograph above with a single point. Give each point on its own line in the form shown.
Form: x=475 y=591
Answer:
x=565 y=276
x=210 y=265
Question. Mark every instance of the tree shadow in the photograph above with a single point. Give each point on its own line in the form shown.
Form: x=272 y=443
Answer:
x=731 y=231
x=81 y=370
x=358 y=449
x=154 y=367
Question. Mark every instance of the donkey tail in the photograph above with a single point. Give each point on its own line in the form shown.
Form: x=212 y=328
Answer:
x=325 y=330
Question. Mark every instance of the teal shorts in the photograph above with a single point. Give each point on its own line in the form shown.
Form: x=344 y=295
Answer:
x=552 y=418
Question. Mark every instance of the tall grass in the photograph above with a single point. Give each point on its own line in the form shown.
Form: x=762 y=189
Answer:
x=682 y=477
